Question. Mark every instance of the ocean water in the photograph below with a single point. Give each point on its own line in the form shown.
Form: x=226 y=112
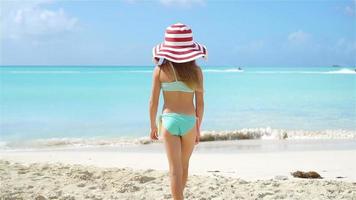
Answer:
x=74 y=104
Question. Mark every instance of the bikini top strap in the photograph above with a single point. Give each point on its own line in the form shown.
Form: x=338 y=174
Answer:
x=174 y=72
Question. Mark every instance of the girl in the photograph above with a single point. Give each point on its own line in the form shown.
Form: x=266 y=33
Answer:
x=181 y=81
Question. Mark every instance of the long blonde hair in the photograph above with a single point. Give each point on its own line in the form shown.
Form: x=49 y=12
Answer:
x=186 y=72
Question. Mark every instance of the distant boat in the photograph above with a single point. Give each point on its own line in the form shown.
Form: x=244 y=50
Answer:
x=239 y=68
x=336 y=66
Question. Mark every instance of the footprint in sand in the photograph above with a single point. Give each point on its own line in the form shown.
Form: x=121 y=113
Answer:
x=167 y=196
x=37 y=174
x=45 y=167
x=264 y=194
x=41 y=197
x=128 y=187
x=143 y=179
x=81 y=185
x=83 y=175
x=22 y=171
x=92 y=187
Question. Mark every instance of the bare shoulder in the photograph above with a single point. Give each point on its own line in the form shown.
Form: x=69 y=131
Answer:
x=156 y=71
x=200 y=71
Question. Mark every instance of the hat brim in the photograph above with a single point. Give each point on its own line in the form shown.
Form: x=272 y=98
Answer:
x=180 y=54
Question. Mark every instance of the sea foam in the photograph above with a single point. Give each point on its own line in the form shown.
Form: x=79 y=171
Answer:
x=240 y=134
x=269 y=133
x=341 y=71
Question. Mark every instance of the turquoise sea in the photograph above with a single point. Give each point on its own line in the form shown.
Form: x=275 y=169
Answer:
x=75 y=102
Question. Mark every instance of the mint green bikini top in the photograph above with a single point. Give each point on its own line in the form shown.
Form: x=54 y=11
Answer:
x=175 y=85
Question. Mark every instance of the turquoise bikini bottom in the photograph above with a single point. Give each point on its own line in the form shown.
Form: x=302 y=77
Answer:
x=177 y=124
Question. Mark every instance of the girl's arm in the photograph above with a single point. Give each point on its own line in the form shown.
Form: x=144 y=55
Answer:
x=156 y=89
x=199 y=102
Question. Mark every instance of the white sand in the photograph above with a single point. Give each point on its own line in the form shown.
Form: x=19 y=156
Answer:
x=59 y=181
x=249 y=166
x=106 y=173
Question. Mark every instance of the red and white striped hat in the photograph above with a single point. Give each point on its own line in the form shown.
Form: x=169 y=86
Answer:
x=178 y=45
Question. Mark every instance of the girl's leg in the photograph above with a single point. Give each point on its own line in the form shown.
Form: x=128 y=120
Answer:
x=173 y=150
x=188 y=143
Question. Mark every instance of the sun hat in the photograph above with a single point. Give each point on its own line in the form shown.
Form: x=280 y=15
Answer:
x=178 y=45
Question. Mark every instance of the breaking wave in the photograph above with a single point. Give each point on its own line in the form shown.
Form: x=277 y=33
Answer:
x=72 y=142
x=240 y=134
x=342 y=71
x=269 y=133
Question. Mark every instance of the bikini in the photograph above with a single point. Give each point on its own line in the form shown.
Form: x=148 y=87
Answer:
x=177 y=124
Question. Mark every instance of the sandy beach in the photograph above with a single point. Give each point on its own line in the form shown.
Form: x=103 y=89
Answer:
x=216 y=173
x=62 y=181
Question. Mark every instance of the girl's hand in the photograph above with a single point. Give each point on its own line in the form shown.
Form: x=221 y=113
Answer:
x=154 y=133
x=197 y=138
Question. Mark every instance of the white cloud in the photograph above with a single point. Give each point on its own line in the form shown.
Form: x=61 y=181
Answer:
x=298 y=37
x=182 y=3
x=32 y=19
x=350 y=10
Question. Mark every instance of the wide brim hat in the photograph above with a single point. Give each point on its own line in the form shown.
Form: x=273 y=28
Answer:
x=179 y=46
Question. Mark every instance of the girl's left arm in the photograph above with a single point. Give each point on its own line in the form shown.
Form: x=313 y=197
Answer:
x=156 y=89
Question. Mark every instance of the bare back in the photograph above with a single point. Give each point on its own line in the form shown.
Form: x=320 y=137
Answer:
x=176 y=101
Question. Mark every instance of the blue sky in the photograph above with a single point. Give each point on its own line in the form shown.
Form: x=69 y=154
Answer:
x=247 y=33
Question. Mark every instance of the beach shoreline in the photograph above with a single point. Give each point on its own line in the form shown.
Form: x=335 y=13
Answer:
x=247 y=159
